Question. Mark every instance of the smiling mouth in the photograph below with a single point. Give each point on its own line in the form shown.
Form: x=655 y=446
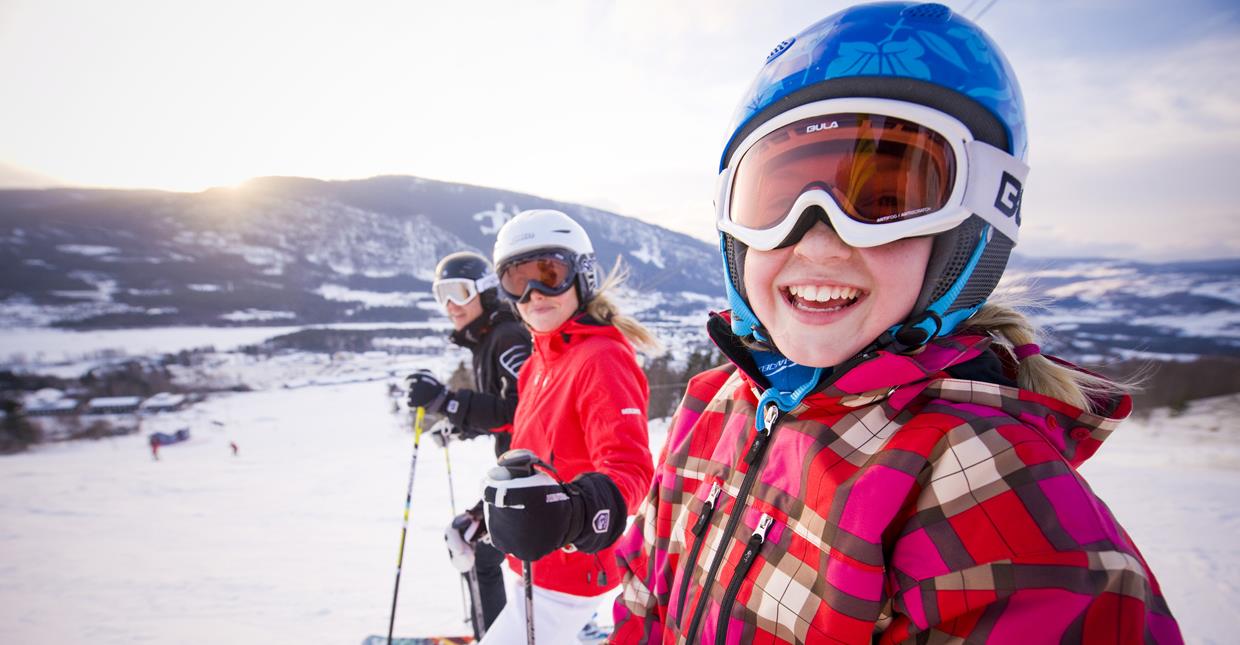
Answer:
x=821 y=299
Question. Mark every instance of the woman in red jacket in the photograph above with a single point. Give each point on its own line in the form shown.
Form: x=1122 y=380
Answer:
x=582 y=411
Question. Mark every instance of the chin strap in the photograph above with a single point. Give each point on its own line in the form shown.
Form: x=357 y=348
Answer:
x=789 y=382
x=745 y=323
x=933 y=322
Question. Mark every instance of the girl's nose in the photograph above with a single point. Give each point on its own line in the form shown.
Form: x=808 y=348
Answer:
x=821 y=243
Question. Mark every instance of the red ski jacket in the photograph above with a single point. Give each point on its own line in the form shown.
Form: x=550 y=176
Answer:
x=582 y=408
x=911 y=499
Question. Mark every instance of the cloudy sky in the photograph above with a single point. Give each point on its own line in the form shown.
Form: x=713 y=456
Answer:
x=1134 y=105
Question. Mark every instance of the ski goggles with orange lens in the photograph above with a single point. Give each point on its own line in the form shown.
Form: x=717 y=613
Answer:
x=549 y=273
x=881 y=170
x=460 y=291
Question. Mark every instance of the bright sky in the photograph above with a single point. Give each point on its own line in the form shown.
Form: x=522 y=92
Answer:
x=1134 y=105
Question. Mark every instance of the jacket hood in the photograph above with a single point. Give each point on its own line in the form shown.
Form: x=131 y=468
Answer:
x=935 y=372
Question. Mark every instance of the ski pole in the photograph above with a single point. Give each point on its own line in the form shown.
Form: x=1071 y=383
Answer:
x=400 y=558
x=471 y=578
x=527 y=574
x=447 y=460
x=475 y=592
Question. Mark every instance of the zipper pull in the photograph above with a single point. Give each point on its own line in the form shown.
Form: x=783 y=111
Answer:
x=764 y=525
x=769 y=417
x=708 y=510
x=755 y=544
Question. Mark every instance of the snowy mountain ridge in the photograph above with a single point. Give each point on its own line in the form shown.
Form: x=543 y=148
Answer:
x=290 y=251
x=283 y=249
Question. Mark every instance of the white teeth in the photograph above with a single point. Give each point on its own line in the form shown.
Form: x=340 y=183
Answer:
x=823 y=293
x=801 y=305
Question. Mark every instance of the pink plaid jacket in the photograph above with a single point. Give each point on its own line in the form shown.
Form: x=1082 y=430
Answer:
x=898 y=504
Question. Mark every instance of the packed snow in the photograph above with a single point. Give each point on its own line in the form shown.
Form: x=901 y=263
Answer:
x=342 y=293
x=37 y=344
x=87 y=249
x=295 y=538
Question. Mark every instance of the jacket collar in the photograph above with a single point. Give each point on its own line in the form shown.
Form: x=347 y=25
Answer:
x=472 y=334
x=939 y=370
x=865 y=376
x=553 y=344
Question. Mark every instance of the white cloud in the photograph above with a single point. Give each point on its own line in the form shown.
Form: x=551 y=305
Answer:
x=1134 y=153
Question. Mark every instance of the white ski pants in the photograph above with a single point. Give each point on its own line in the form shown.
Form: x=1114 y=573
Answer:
x=558 y=617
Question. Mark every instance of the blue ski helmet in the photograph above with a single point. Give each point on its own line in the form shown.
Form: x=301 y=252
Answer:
x=919 y=53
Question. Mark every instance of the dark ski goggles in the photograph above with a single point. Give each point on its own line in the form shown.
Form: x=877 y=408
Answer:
x=549 y=273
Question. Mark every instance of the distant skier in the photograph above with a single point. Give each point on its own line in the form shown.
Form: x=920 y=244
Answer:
x=233 y=445
x=465 y=286
x=583 y=411
x=154 y=441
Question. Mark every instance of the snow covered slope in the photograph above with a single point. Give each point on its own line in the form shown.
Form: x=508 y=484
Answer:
x=295 y=539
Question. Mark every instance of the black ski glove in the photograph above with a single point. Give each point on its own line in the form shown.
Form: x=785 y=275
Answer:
x=425 y=391
x=532 y=516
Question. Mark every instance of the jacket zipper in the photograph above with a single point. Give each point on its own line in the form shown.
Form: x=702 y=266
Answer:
x=757 y=449
x=699 y=532
x=742 y=569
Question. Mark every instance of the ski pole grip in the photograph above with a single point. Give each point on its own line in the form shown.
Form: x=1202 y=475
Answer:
x=515 y=464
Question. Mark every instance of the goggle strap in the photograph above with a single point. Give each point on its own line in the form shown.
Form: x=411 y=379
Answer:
x=488 y=281
x=995 y=186
x=744 y=321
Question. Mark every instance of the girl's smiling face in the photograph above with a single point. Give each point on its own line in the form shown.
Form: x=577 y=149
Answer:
x=822 y=301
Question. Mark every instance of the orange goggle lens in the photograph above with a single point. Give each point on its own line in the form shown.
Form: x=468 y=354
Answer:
x=877 y=168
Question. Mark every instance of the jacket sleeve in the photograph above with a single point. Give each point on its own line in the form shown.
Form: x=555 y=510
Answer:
x=649 y=552
x=612 y=410
x=1008 y=543
x=479 y=412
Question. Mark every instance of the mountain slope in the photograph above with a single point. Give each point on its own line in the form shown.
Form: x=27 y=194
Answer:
x=284 y=249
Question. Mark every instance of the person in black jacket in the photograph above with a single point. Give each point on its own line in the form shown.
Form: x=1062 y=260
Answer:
x=466 y=287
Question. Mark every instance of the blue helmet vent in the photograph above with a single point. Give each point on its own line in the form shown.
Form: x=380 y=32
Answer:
x=779 y=49
x=929 y=12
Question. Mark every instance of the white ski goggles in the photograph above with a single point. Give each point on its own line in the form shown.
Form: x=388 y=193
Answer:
x=882 y=170
x=460 y=291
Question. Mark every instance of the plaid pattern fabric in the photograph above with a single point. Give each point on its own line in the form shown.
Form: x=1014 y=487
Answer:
x=907 y=506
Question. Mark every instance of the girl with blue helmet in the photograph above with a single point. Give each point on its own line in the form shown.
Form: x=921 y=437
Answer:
x=887 y=457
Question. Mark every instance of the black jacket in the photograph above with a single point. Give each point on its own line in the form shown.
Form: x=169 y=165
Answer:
x=500 y=345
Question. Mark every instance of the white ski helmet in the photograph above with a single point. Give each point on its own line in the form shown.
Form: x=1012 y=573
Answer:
x=544 y=233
